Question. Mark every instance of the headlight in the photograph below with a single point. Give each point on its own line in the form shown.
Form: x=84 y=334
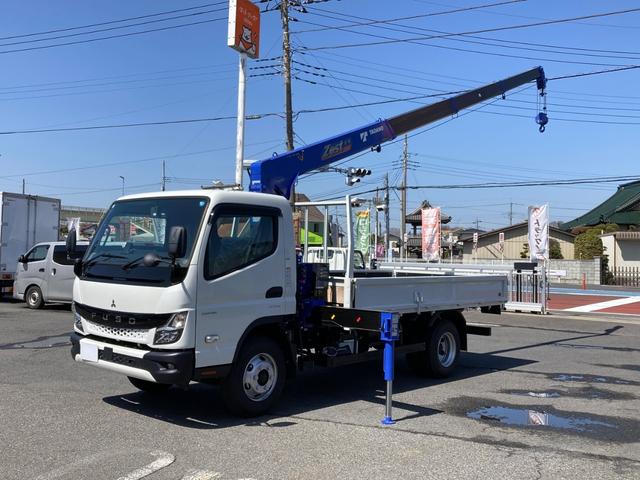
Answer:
x=172 y=331
x=77 y=319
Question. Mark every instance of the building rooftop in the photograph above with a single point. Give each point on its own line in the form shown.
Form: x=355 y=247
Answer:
x=415 y=217
x=622 y=208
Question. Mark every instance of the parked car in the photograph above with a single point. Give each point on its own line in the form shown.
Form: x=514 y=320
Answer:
x=45 y=274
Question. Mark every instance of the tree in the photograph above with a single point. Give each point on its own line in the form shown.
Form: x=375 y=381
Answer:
x=525 y=251
x=555 y=252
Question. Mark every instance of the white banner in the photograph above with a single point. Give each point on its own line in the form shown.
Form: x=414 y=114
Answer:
x=431 y=233
x=539 y=232
x=501 y=242
x=74 y=223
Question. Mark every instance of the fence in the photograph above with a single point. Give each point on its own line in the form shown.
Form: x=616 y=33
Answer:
x=626 y=276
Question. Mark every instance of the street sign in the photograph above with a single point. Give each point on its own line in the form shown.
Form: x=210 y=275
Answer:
x=243 y=32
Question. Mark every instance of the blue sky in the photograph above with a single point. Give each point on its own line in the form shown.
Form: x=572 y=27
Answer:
x=189 y=72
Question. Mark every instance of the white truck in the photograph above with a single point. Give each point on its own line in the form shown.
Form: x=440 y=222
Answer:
x=24 y=221
x=214 y=291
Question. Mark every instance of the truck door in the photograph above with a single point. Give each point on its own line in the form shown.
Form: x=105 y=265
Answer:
x=241 y=278
x=60 y=275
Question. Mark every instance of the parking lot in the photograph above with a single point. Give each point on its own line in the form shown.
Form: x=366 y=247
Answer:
x=543 y=397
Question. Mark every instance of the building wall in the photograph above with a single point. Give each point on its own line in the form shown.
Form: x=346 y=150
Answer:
x=514 y=241
x=621 y=252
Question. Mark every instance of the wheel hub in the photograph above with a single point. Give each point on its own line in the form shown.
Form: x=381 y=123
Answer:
x=446 y=349
x=260 y=377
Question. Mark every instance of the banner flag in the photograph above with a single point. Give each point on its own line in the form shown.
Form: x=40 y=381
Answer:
x=363 y=236
x=539 y=232
x=431 y=233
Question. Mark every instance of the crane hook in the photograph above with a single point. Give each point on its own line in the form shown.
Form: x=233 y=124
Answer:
x=542 y=119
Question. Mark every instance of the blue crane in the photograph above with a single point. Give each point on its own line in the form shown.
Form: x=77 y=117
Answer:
x=278 y=173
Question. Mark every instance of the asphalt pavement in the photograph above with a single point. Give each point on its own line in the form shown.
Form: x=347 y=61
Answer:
x=544 y=397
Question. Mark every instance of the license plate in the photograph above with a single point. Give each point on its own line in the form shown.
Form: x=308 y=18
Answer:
x=88 y=351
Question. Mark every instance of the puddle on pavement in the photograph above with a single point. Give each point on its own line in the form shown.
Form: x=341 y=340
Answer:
x=40 y=342
x=529 y=393
x=565 y=377
x=587 y=393
x=533 y=418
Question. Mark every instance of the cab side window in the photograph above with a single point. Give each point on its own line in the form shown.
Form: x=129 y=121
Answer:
x=37 y=253
x=238 y=239
x=60 y=254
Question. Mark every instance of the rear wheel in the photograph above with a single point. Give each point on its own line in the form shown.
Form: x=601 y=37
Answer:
x=442 y=352
x=256 y=379
x=33 y=297
x=149 y=387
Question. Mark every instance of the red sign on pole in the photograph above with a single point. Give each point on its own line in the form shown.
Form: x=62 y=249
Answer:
x=244 y=27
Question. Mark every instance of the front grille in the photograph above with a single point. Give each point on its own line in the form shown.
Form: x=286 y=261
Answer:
x=131 y=334
x=108 y=356
x=122 y=320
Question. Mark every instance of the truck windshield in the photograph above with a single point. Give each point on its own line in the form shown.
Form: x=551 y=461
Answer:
x=132 y=229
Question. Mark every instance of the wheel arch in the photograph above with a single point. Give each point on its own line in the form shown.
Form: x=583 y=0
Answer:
x=277 y=328
x=457 y=318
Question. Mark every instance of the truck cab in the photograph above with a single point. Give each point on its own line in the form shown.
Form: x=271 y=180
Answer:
x=163 y=318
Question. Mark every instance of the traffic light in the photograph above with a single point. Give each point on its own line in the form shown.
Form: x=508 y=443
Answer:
x=355 y=174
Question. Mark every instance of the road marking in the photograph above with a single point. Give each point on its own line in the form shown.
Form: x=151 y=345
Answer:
x=600 y=305
x=201 y=475
x=165 y=459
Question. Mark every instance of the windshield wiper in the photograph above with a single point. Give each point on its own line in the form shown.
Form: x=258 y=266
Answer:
x=102 y=255
x=149 y=260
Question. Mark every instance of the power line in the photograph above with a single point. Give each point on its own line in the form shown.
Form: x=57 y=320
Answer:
x=130 y=161
x=448 y=35
x=90 y=32
x=109 y=37
x=485 y=30
x=112 y=21
x=410 y=17
x=377 y=24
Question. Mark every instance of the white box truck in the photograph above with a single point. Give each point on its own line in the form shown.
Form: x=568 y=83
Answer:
x=24 y=221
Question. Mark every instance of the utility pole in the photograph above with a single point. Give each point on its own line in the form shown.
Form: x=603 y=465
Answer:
x=164 y=177
x=386 y=214
x=477 y=223
x=403 y=206
x=23 y=186
x=286 y=72
x=510 y=213
x=376 y=201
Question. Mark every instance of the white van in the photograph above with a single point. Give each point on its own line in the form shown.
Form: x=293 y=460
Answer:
x=45 y=274
x=336 y=258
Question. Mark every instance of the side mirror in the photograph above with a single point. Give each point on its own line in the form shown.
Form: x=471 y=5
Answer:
x=22 y=259
x=71 y=243
x=177 y=245
x=77 y=267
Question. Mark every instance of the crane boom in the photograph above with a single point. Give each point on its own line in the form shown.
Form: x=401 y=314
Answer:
x=277 y=174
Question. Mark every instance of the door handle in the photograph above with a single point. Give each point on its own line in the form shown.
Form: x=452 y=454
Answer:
x=41 y=269
x=274 y=292
x=53 y=271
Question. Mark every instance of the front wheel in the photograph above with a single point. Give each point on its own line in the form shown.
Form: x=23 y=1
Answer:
x=256 y=379
x=34 y=299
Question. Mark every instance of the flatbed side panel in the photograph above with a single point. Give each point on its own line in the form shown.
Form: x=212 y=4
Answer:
x=423 y=294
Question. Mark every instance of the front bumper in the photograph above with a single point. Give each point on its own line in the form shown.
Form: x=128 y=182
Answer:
x=171 y=367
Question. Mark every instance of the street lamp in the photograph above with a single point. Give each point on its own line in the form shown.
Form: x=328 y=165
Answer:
x=122 y=184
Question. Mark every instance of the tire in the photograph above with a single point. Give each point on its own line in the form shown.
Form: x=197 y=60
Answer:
x=257 y=378
x=149 y=387
x=441 y=355
x=33 y=297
